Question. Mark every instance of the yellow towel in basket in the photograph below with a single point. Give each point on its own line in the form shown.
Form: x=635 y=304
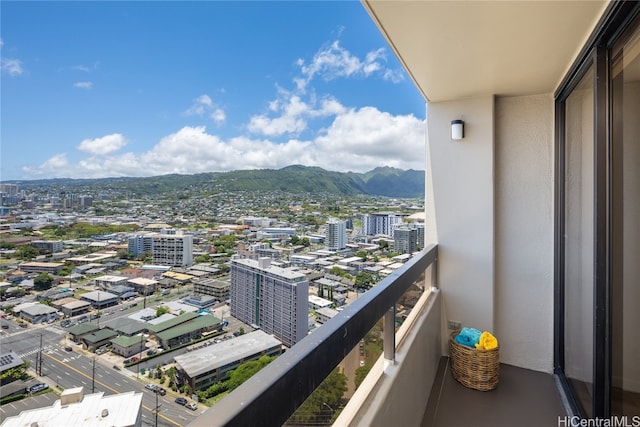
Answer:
x=486 y=341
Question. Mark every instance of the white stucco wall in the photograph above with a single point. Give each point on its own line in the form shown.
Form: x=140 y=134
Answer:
x=524 y=289
x=461 y=189
x=491 y=198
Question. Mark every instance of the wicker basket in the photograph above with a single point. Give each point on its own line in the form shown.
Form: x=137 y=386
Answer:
x=476 y=369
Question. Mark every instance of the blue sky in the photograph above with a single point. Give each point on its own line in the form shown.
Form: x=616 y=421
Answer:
x=120 y=88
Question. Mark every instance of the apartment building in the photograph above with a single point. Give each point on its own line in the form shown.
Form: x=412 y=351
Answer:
x=271 y=298
x=140 y=244
x=405 y=240
x=381 y=223
x=175 y=250
x=335 y=235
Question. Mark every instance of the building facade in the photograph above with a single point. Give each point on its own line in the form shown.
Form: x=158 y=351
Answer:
x=335 y=235
x=175 y=250
x=405 y=240
x=381 y=223
x=271 y=298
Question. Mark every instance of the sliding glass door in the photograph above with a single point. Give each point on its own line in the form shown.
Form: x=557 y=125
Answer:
x=598 y=221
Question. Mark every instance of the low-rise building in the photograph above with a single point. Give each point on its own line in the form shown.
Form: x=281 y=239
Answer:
x=41 y=267
x=143 y=286
x=216 y=288
x=100 y=299
x=316 y=302
x=38 y=313
x=189 y=331
x=201 y=368
x=127 y=346
x=98 y=338
x=324 y=314
x=93 y=410
x=109 y=281
x=77 y=332
x=71 y=306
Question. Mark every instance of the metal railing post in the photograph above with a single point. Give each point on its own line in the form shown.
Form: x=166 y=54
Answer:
x=390 y=335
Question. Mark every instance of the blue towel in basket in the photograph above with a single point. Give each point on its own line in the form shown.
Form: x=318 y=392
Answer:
x=468 y=337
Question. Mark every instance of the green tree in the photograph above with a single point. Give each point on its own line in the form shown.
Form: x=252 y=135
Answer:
x=202 y=258
x=247 y=370
x=362 y=254
x=161 y=310
x=305 y=242
x=364 y=279
x=327 y=395
x=43 y=281
x=361 y=373
x=26 y=252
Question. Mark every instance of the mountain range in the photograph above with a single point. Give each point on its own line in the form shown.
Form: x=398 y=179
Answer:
x=381 y=181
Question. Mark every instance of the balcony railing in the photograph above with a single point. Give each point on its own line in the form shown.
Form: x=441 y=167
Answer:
x=271 y=396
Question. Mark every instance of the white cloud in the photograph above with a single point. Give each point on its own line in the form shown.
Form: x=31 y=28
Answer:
x=84 y=85
x=203 y=105
x=56 y=166
x=11 y=66
x=218 y=116
x=104 y=145
x=334 y=61
x=357 y=140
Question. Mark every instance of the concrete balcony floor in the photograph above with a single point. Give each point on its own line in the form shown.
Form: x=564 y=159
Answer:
x=522 y=398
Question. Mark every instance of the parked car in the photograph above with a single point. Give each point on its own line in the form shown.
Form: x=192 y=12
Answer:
x=193 y=406
x=181 y=401
x=23 y=325
x=151 y=352
x=37 y=387
x=134 y=359
x=5 y=326
x=116 y=367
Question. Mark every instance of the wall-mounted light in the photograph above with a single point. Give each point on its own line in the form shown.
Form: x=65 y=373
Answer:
x=457 y=130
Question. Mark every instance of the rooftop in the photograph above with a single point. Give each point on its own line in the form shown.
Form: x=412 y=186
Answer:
x=93 y=410
x=228 y=351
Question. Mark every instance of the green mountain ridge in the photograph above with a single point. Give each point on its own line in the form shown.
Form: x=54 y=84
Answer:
x=382 y=181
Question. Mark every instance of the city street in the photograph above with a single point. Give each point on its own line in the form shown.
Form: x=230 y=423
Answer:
x=67 y=369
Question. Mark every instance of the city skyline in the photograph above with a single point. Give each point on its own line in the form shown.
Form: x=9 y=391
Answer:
x=100 y=89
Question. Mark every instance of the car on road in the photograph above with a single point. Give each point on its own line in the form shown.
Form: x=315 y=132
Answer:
x=116 y=367
x=5 y=326
x=65 y=323
x=161 y=391
x=23 y=325
x=151 y=387
x=68 y=348
x=181 y=401
x=37 y=387
x=193 y=406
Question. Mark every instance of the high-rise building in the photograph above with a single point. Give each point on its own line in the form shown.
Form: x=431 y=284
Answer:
x=140 y=243
x=272 y=298
x=405 y=240
x=381 y=223
x=173 y=249
x=335 y=234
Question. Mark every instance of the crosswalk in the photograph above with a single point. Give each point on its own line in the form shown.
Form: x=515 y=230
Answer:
x=36 y=350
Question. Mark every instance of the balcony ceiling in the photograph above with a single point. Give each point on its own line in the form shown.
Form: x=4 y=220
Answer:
x=461 y=49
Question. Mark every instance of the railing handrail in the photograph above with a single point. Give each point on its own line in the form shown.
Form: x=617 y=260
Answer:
x=272 y=395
